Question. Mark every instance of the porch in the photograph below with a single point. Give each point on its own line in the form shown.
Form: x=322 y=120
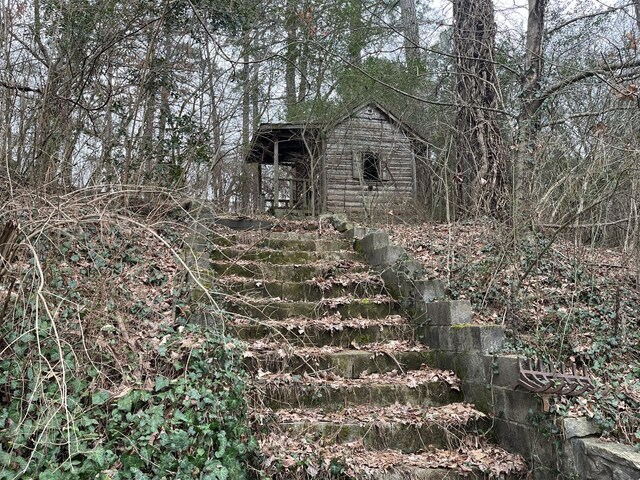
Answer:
x=289 y=177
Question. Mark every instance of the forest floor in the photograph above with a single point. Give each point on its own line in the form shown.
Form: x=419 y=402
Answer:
x=559 y=300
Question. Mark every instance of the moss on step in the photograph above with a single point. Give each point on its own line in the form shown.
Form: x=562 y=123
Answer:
x=223 y=241
x=303 y=291
x=301 y=334
x=280 y=310
x=268 y=271
x=267 y=256
x=347 y=364
x=333 y=396
x=309 y=245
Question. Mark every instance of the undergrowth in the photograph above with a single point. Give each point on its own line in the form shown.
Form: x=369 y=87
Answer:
x=565 y=312
x=101 y=373
x=559 y=300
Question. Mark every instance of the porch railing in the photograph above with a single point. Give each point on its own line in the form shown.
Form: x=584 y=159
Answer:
x=297 y=195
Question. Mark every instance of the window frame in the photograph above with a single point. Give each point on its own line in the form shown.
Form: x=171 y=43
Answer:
x=371 y=166
x=360 y=158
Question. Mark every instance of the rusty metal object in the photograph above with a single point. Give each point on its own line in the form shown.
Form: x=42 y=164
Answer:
x=538 y=377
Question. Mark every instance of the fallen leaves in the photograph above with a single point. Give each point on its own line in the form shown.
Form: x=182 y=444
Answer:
x=326 y=379
x=268 y=347
x=347 y=279
x=297 y=454
x=329 y=323
x=448 y=416
x=336 y=302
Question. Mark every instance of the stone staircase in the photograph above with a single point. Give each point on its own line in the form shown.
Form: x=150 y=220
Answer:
x=341 y=386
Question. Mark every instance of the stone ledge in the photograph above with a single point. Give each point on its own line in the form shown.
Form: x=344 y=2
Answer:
x=373 y=241
x=470 y=367
x=504 y=371
x=594 y=459
x=579 y=427
x=530 y=442
x=516 y=406
x=464 y=338
x=405 y=280
x=429 y=290
x=385 y=256
x=343 y=227
x=357 y=233
x=477 y=372
x=449 y=312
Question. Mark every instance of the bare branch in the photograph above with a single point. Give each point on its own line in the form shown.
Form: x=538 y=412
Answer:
x=20 y=88
x=566 y=23
x=566 y=82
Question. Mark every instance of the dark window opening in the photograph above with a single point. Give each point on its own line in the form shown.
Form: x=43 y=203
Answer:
x=371 y=167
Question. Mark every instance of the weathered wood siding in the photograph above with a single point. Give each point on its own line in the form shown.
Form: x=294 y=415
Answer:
x=368 y=130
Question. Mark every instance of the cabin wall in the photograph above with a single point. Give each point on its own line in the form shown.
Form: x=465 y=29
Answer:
x=368 y=131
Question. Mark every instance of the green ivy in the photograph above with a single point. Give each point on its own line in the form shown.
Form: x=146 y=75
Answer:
x=191 y=423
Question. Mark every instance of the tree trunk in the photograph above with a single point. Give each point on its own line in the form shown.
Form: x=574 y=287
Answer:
x=164 y=103
x=303 y=89
x=410 y=33
x=528 y=125
x=53 y=121
x=292 y=57
x=106 y=170
x=355 y=43
x=481 y=159
x=245 y=181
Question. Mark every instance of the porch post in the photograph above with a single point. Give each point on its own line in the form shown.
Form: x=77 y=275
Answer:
x=276 y=176
x=292 y=192
x=260 y=199
x=305 y=191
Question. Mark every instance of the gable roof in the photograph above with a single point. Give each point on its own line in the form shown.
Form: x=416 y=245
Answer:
x=385 y=111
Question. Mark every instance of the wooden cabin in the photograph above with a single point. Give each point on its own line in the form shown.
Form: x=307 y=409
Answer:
x=363 y=161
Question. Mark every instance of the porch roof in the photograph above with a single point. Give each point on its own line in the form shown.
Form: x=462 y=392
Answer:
x=292 y=138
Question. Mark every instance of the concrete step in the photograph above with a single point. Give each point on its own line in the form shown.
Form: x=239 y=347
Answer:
x=348 y=363
x=289 y=273
x=407 y=428
x=304 y=456
x=329 y=330
x=348 y=307
x=304 y=244
x=281 y=241
x=425 y=387
x=363 y=284
x=280 y=257
x=222 y=240
x=316 y=236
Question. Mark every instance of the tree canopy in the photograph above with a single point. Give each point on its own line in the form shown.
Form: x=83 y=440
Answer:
x=169 y=93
